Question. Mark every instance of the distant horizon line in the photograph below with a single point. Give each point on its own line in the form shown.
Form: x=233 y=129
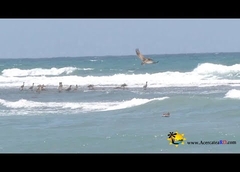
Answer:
x=116 y=55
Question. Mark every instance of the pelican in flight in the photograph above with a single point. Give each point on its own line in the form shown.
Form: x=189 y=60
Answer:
x=144 y=59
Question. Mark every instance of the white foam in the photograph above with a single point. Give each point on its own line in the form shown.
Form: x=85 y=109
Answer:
x=133 y=102
x=40 y=72
x=85 y=69
x=210 y=68
x=170 y=79
x=233 y=94
x=204 y=75
x=81 y=106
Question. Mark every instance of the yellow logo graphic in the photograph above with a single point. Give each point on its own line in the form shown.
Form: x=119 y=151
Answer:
x=176 y=138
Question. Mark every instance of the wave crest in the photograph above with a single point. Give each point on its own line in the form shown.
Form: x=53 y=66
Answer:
x=40 y=72
x=233 y=94
x=210 y=68
x=81 y=106
x=204 y=75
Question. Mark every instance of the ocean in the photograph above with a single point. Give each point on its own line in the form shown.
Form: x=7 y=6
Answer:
x=200 y=91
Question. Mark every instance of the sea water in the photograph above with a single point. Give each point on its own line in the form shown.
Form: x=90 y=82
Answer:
x=200 y=91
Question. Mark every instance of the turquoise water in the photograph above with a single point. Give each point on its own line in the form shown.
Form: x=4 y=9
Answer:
x=201 y=92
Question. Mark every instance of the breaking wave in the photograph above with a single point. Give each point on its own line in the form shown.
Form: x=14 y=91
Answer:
x=36 y=107
x=233 y=94
x=40 y=72
x=206 y=74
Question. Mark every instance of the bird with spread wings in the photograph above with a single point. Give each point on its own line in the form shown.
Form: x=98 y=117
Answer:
x=144 y=59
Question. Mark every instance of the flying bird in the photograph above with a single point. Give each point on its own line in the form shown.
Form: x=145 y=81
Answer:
x=144 y=59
